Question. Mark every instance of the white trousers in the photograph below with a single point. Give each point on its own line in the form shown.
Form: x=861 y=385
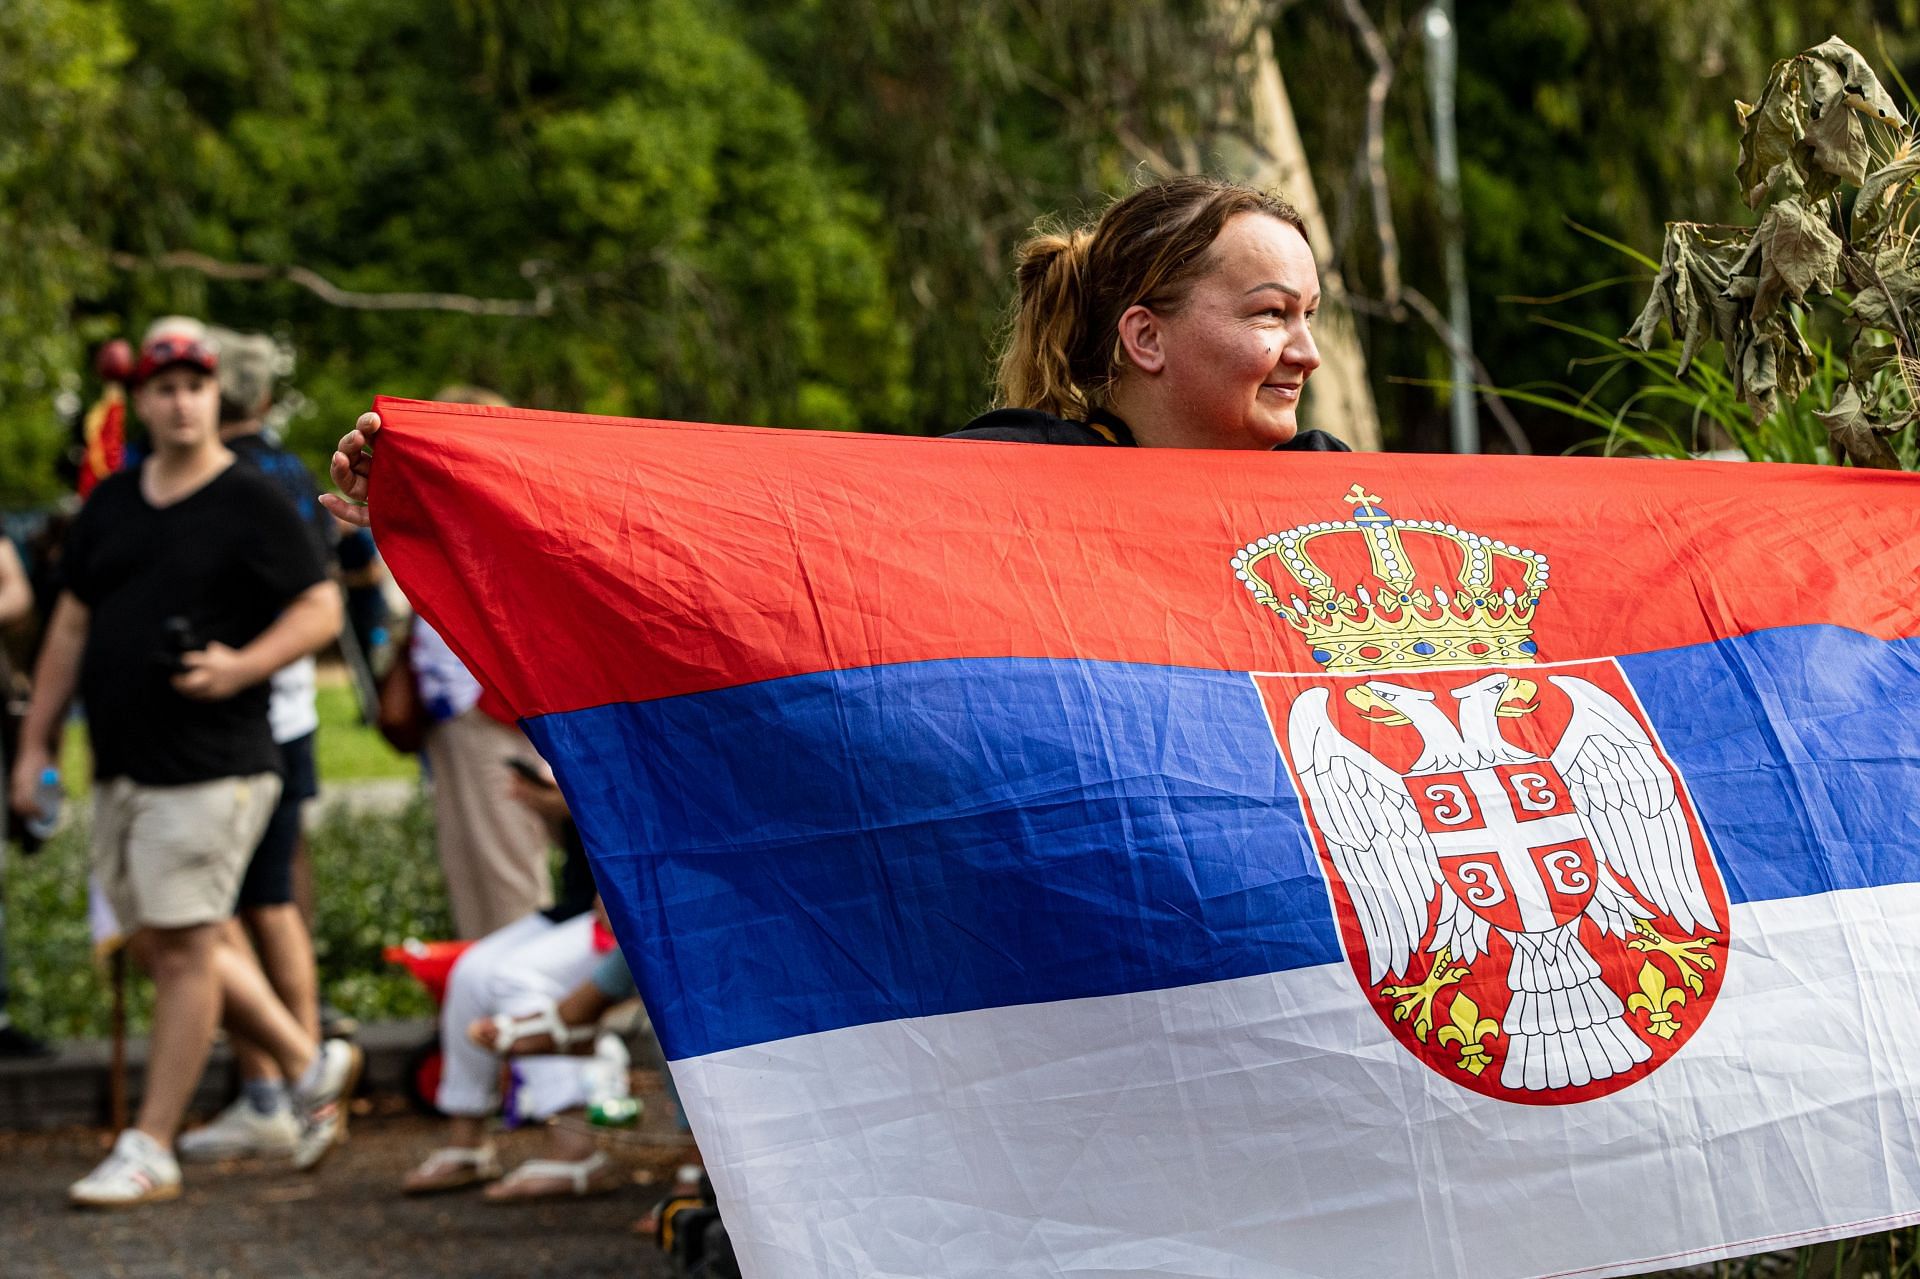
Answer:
x=514 y=971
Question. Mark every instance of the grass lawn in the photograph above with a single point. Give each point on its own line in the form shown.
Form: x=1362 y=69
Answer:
x=349 y=750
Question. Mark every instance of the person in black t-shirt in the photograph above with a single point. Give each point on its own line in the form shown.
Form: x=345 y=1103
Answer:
x=187 y=583
x=268 y=921
x=1182 y=318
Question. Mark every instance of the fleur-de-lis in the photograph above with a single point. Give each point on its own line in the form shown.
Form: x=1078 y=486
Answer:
x=1689 y=956
x=1654 y=999
x=1416 y=1001
x=1467 y=1028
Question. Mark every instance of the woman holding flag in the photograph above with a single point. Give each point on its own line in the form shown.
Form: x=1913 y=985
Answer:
x=1182 y=318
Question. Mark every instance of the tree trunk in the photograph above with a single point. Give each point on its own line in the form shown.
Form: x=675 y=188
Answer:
x=1341 y=400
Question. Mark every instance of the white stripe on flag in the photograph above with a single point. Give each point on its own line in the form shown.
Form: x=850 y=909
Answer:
x=1269 y=1127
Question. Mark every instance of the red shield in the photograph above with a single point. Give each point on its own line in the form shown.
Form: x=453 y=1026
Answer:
x=1506 y=833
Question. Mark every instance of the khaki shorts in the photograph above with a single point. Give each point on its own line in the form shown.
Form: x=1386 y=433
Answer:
x=172 y=856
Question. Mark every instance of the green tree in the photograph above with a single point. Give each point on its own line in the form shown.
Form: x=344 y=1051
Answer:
x=1572 y=113
x=634 y=167
x=59 y=60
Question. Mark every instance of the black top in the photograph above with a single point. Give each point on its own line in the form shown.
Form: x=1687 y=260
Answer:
x=355 y=549
x=1032 y=426
x=290 y=475
x=224 y=561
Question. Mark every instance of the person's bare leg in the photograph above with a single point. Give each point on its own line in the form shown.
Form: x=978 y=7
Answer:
x=186 y=1009
x=253 y=1010
x=570 y=1142
x=585 y=1005
x=303 y=882
x=254 y=1063
x=285 y=948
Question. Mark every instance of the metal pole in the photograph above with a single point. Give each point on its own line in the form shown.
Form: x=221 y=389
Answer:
x=1442 y=62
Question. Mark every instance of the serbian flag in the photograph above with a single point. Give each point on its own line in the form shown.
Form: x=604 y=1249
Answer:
x=1100 y=862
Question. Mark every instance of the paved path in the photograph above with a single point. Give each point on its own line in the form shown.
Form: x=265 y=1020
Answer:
x=255 y=1220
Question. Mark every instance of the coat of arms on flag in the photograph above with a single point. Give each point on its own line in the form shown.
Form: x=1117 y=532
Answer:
x=1523 y=886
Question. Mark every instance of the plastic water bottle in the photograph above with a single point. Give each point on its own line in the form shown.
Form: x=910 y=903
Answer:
x=46 y=808
x=610 y=1101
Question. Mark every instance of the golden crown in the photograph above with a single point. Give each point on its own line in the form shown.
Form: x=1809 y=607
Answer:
x=1484 y=619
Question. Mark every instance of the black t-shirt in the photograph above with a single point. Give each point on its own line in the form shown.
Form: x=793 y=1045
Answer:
x=226 y=559
x=1032 y=426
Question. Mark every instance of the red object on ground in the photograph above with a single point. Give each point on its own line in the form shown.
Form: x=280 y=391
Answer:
x=431 y=962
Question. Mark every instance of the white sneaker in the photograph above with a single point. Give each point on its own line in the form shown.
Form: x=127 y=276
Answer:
x=322 y=1106
x=139 y=1171
x=241 y=1132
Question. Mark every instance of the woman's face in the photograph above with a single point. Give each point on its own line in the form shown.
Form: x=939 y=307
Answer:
x=1235 y=357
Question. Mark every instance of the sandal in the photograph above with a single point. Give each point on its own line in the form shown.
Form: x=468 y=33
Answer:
x=452 y=1168
x=569 y=1179
x=511 y=1031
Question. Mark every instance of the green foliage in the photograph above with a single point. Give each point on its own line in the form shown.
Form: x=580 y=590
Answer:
x=1654 y=403
x=376 y=882
x=790 y=213
x=60 y=63
x=1753 y=290
x=58 y=989
x=636 y=164
x=967 y=120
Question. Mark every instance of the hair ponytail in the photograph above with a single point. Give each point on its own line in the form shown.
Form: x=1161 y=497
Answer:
x=1036 y=369
x=1063 y=350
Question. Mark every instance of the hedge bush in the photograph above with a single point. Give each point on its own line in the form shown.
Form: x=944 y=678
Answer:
x=376 y=882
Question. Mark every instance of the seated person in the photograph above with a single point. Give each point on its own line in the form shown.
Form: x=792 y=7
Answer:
x=569 y=1027
x=517 y=970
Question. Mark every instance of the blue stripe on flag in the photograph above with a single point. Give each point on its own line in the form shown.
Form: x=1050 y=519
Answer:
x=1802 y=749
x=835 y=849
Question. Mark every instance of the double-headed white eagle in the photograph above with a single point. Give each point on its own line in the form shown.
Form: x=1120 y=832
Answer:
x=1565 y=1026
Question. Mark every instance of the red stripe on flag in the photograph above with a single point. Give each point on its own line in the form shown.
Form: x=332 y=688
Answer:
x=575 y=561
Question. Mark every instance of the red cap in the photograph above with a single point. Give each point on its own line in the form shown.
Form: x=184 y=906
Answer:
x=176 y=344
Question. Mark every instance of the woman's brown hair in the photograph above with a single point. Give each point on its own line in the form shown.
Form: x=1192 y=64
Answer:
x=1063 y=351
